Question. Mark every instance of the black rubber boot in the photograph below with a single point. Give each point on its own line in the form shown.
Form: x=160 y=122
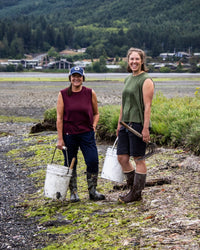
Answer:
x=135 y=193
x=129 y=180
x=73 y=187
x=92 y=184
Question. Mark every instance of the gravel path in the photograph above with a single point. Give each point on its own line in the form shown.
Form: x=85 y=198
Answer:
x=16 y=231
x=32 y=99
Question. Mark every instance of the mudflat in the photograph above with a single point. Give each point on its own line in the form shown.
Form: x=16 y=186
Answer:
x=32 y=98
x=170 y=211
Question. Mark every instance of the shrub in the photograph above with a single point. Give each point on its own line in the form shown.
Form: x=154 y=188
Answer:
x=50 y=115
x=193 y=137
x=165 y=70
x=175 y=121
x=108 y=120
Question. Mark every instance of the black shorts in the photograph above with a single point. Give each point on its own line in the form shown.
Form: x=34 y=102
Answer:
x=130 y=144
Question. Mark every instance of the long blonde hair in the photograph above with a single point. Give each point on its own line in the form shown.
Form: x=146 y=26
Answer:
x=142 y=56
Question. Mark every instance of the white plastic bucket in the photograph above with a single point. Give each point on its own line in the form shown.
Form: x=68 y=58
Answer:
x=58 y=178
x=112 y=170
x=57 y=181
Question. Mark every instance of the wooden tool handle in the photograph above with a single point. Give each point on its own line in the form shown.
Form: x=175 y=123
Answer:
x=72 y=163
x=131 y=129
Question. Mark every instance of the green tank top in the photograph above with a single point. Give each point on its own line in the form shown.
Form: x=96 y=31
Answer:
x=132 y=98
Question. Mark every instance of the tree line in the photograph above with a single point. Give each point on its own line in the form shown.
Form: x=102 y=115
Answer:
x=36 y=35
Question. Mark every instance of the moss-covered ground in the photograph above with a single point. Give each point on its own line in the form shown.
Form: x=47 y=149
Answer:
x=107 y=224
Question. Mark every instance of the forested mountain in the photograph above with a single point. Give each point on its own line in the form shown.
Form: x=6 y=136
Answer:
x=105 y=27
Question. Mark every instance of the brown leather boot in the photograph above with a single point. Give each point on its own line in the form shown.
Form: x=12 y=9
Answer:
x=135 y=193
x=129 y=180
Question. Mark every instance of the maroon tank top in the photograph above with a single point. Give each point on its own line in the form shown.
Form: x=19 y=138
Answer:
x=78 y=111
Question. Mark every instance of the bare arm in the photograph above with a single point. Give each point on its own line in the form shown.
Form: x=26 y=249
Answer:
x=59 y=122
x=119 y=120
x=148 y=91
x=95 y=110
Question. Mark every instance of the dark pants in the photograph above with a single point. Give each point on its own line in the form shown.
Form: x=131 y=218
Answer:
x=87 y=144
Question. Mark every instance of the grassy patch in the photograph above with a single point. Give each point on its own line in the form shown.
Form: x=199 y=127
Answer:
x=108 y=120
x=88 y=224
x=88 y=79
x=32 y=79
x=17 y=119
x=175 y=121
x=53 y=79
x=37 y=154
x=2 y=134
x=171 y=79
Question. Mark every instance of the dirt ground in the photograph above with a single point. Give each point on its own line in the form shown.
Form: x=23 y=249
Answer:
x=174 y=208
x=33 y=98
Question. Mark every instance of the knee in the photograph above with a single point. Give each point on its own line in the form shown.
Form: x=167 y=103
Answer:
x=122 y=160
x=140 y=166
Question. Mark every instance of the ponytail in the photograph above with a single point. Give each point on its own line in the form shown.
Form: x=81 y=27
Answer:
x=69 y=90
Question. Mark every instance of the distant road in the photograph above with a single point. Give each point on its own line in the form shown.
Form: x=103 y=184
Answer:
x=101 y=76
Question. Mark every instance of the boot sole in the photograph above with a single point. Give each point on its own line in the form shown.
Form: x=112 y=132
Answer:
x=124 y=202
x=73 y=201
x=97 y=199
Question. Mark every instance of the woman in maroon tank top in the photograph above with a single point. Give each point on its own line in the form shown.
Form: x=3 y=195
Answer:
x=77 y=118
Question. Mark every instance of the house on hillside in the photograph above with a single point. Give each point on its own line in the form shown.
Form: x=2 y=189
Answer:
x=83 y=63
x=113 y=66
x=164 y=56
x=179 y=54
x=182 y=54
x=82 y=50
x=61 y=64
x=71 y=52
x=26 y=63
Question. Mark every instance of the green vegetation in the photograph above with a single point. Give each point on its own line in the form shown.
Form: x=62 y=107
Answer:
x=84 y=225
x=107 y=225
x=108 y=120
x=88 y=224
x=65 y=79
x=175 y=121
x=107 y=78
x=32 y=79
x=104 y=29
x=50 y=114
x=17 y=119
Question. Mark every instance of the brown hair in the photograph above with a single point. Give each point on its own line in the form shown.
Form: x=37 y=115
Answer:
x=69 y=90
x=142 y=56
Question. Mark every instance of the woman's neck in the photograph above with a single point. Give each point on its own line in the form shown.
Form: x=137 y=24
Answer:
x=76 y=89
x=138 y=73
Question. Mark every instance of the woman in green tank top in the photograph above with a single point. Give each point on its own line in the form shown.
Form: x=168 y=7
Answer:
x=137 y=98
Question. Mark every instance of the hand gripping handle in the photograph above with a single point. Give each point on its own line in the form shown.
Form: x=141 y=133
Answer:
x=131 y=129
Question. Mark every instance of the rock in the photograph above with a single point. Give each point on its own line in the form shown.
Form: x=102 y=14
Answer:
x=44 y=126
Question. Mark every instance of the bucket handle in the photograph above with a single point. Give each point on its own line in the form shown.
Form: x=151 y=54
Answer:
x=64 y=148
x=114 y=143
